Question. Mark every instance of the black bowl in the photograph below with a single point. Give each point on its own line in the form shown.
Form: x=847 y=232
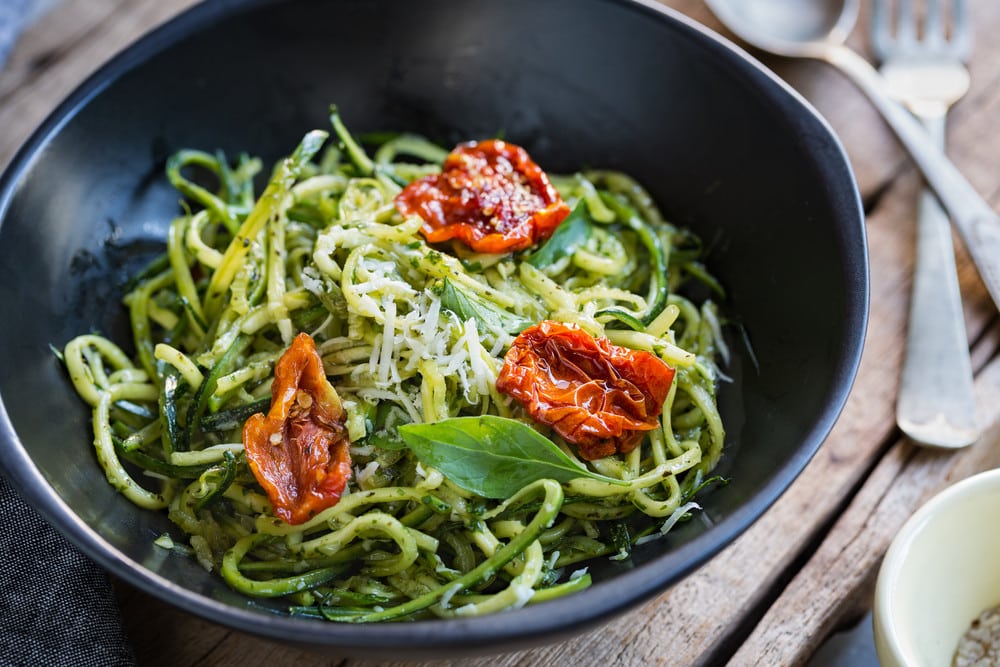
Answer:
x=722 y=144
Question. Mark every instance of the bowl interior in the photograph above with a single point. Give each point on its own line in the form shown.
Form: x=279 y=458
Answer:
x=723 y=147
x=939 y=574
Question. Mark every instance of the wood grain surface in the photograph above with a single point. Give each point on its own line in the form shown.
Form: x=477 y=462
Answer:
x=777 y=592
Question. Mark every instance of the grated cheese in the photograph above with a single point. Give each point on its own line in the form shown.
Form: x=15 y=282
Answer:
x=365 y=474
x=385 y=366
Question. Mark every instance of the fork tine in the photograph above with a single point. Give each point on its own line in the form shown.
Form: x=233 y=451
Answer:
x=933 y=25
x=920 y=28
x=961 y=31
x=906 y=24
x=881 y=34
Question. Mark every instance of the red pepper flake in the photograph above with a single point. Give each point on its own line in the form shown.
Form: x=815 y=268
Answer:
x=596 y=395
x=299 y=452
x=490 y=195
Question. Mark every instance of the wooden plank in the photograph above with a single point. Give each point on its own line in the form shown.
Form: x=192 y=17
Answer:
x=161 y=634
x=60 y=34
x=839 y=578
x=61 y=50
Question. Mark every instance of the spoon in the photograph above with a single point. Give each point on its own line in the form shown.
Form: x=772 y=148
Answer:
x=818 y=30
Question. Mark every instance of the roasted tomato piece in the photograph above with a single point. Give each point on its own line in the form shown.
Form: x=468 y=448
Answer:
x=598 y=396
x=491 y=195
x=299 y=451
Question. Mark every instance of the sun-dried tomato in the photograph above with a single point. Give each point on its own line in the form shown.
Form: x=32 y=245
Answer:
x=491 y=195
x=299 y=452
x=596 y=395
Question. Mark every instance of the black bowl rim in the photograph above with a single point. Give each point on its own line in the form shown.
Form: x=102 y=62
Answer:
x=530 y=625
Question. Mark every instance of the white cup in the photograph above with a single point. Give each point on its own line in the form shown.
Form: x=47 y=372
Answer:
x=941 y=571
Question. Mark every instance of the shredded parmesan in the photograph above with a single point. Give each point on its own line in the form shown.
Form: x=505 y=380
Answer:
x=385 y=370
x=449 y=594
x=365 y=474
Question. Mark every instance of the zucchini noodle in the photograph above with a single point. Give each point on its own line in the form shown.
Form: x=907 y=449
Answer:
x=322 y=250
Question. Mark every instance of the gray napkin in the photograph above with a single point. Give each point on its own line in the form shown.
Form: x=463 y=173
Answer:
x=56 y=605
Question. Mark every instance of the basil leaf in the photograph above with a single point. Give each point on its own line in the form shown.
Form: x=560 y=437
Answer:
x=492 y=456
x=488 y=316
x=571 y=233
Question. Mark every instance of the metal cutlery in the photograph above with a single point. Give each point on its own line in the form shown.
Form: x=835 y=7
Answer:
x=922 y=64
x=817 y=30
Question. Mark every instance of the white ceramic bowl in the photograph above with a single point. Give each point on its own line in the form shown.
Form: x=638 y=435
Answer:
x=941 y=571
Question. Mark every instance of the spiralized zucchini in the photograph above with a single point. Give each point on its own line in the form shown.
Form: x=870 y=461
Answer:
x=408 y=333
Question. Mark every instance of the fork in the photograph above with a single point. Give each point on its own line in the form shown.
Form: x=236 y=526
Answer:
x=924 y=69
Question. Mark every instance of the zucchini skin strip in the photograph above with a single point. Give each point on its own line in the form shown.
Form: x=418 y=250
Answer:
x=552 y=500
x=269 y=588
x=270 y=203
x=659 y=282
x=117 y=476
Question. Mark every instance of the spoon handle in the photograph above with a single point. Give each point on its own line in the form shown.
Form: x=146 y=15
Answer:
x=975 y=220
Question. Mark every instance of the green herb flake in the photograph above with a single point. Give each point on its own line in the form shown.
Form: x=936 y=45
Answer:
x=571 y=233
x=488 y=315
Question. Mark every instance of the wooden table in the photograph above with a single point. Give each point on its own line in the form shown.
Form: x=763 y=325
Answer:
x=807 y=567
